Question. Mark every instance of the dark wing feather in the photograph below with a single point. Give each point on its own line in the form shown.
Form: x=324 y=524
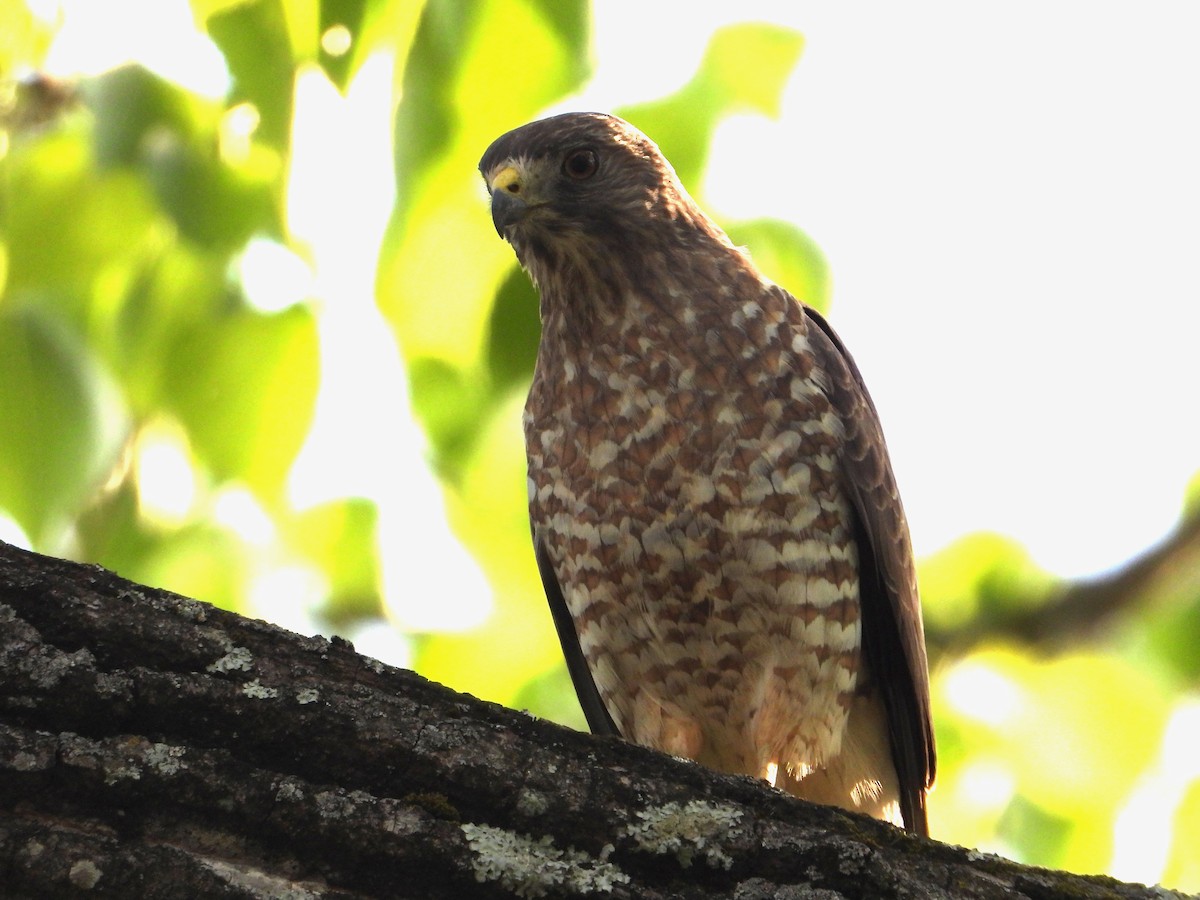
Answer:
x=893 y=637
x=598 y=718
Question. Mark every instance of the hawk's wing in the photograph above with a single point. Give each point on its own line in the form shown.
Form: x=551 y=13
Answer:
x=598 y=718
x=893 y=638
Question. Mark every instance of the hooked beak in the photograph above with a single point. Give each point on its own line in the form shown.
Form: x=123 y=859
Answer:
x=509 y=205
x=507 y=209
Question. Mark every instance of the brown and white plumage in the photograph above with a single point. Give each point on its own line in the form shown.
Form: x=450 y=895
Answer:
x=714 y=514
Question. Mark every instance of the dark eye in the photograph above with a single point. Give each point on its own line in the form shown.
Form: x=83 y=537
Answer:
x=581 y=164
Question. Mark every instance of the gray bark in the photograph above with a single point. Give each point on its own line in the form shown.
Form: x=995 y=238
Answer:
x=154 y=746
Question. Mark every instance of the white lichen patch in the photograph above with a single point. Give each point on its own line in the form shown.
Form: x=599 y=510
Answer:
x=307 y=695
x=84 y=874
x=343 y=804
x=184 y=607
x=48 y=670
x=123 y=773
x=532 y=803
x=289 y=790
x=165 y=759
x=398 y=819
x=533 y=867
x=238 y=659
x=259 y=691
x=26 y=762
x=109 y=685
x=252 y=882
x=697 y=828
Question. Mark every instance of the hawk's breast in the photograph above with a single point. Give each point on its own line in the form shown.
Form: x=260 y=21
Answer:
x=688 y=494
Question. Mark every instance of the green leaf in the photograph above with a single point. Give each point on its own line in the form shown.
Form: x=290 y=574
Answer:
x=199 y=561
x=256 y=39
x=683 y=124
x=143 y=122
x=449 y=405
x=245 y=390
x=67 y=225
x=213 y=204
x=462 y=89
x=979 y=575
x=175 y=291
x=62 y=423
x=340 y=538
x=24 y=38
x=132 y=106
x=370 y=25
x=787 y=256
x=513 y=331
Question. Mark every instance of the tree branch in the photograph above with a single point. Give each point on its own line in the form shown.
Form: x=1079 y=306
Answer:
x=154 y=746
x=1166 y=573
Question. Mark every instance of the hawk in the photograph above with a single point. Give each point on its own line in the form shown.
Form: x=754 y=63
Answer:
x=714 y=513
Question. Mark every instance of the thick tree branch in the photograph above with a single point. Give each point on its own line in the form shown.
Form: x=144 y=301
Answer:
x=1165 y=574
x=154 y=746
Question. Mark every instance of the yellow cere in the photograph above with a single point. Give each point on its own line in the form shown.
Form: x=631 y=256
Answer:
x=507 y=180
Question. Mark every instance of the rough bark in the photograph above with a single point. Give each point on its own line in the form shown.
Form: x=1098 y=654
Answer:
x=154 y=746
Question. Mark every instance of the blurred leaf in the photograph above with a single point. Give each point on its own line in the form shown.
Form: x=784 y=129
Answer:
x=176 y=290
x=211 y=203
x=256 y=39
x=1191 y=497
x=1183 y=865
x=62 y=425
x=199 y=561
x=36 y=101
x=303 y=19
x=787 y=256
x=683 y=124
x=1064 y=745
x=245 y=390
x=132 y=105
x=366 y=23
x=978 y=576
x=347 y=15
x=215 y=199
x=1168 y=639
x=66 y=225
x=340 y=539
x=553 y=696
x=109 y=530
x=385 y=24
x=449 y=405
x=24 y=38
x=517 y=643
x=460 y=61
x=513 y=332
x=461 y=91
x=1036 y=833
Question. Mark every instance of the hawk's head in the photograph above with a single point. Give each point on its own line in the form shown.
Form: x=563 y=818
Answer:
x=588 y=196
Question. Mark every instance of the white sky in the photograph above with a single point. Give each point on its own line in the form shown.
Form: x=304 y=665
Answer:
x=1009 y=197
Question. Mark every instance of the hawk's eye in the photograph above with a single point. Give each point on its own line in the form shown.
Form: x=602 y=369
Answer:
x=581 y=164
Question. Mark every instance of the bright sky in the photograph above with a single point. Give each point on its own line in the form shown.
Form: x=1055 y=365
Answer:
x=1009 y=198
